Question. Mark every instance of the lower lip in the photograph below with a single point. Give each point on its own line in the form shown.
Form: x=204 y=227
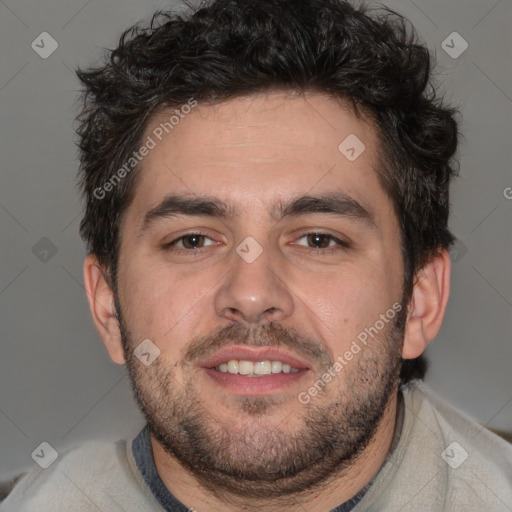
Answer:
x=243 y=385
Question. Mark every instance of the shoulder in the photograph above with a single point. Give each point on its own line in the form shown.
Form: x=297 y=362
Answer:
x=443 y=461
x=471 y=464
x=95 y=475
x=449 y=424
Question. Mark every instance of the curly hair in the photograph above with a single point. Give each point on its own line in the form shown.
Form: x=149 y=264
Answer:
x=228 y=48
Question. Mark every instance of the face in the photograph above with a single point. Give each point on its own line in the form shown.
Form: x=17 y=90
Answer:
x=255 y=256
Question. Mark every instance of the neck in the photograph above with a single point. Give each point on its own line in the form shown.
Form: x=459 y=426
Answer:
x=339 y=488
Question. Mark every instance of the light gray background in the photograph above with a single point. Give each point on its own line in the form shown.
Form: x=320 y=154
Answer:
x=57 y=383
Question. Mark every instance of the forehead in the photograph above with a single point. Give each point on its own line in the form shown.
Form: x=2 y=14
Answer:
x=252 y=149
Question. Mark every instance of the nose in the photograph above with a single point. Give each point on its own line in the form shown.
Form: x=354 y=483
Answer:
x=254 y=293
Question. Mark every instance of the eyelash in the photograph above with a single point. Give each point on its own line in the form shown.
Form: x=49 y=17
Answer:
x=341 y=244
x=180 y=249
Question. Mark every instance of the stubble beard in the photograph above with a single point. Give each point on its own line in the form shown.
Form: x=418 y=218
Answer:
x=258 y=459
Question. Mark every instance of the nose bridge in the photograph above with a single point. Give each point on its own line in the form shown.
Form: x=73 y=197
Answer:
x=253 y=290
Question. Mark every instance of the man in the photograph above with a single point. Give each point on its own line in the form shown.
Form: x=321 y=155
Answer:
x=266 y=189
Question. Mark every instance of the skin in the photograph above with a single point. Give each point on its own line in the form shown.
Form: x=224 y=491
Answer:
x=233 y=151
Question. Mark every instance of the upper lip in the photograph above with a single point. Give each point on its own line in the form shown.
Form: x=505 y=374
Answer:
x=255 y=354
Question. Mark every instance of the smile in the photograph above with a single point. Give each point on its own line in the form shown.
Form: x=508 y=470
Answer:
x=255 y=369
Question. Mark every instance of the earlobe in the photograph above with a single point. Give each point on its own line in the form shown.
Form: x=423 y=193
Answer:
x=101 y=303
x=428 y=305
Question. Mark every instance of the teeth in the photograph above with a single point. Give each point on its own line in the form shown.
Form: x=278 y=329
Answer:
x=245 y=368
x=255 y=369
x=262 y=368
x=277 y=366
x=233 y=366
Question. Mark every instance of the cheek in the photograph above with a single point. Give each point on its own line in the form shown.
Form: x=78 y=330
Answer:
x=163 y=305
x=347 y=301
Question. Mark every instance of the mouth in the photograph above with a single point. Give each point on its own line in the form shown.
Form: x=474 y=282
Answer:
x=254 y=370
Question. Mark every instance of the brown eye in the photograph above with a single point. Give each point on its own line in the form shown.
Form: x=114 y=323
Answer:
x=193 y=241
x=319 y=240
x=316 y=241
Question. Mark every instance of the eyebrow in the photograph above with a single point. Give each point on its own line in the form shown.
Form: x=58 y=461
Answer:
x=197 y=206
x=335 y=203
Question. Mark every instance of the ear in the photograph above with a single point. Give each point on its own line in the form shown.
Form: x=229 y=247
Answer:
x=428 y=305
x=101 y=303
